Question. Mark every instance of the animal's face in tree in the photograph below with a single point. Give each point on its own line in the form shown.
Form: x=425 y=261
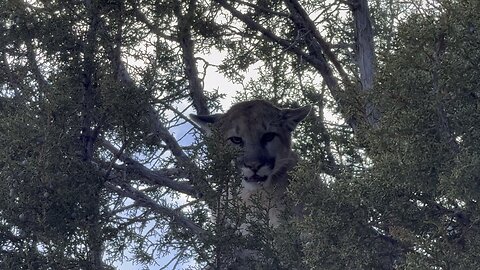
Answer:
x=262 y=134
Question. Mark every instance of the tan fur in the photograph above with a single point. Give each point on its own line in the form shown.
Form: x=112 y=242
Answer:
x=262 y=133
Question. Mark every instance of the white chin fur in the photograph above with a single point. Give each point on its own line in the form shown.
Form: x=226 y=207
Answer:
x=251 y=186
x=264 y=171
x=246 y=172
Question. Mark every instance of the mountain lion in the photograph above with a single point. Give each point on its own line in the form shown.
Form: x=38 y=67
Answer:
x=263 y=135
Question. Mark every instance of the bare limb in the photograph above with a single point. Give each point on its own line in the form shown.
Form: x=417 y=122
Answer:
x=159 y=129
x=302 y=19
x=365 y=57
x=188 y=52
x=151 y=176
x=314 y=47
x=180 y=114
x=125 y=190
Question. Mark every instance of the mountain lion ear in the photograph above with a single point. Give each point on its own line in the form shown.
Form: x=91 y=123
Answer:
x=294 y=116
x=206 y=121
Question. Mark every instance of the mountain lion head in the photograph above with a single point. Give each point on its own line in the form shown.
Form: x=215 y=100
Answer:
x=263 y=135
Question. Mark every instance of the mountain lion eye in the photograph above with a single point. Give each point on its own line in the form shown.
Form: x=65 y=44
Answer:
x=267 y=137
x=236 y=140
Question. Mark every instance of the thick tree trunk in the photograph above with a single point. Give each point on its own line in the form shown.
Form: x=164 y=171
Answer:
x=89 y=134
x=365 y=52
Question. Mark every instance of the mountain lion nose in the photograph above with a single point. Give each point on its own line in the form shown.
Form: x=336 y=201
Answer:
x=253 y=165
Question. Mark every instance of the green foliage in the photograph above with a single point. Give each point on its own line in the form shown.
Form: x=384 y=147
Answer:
x=429 y=97
x=404 y=195
x=410 y=198
x=47 y=191
x=242 y=236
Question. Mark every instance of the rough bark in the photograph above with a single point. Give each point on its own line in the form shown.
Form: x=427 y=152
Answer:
x=188 y=53
x=365 y=53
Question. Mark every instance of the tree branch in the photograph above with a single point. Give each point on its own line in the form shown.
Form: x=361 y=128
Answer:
x=185 y=40
x=442 y=124
x=303 y=19
x=319 y=49
x=285 y=44
x=188 y=52
x=315 y=56
x=125 y=190
x=331 y=167
x=365 y=57
x=89 y=133
x=152 y=177
x=157 y=128
x=89 y=70
x=140 y=16
x=32 y=60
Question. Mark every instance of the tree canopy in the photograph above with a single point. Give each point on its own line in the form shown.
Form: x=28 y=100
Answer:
x=100 y=163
